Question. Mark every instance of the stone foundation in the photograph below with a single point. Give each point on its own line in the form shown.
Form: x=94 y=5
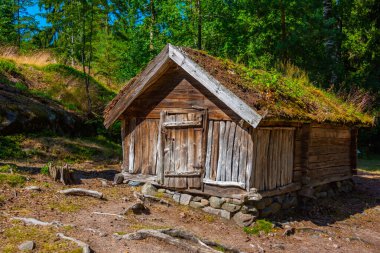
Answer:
x=245 y=212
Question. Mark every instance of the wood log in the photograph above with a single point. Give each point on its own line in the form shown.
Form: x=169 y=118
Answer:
x=82 y=192
x=85 y=247
x=32 y=221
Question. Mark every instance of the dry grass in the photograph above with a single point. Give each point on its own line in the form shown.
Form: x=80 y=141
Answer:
x=38 y=58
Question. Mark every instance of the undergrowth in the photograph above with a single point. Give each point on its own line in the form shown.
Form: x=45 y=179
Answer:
x=12 y=180
x=258 y=227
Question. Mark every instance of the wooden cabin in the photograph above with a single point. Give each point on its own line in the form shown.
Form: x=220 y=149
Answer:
x=199 y=124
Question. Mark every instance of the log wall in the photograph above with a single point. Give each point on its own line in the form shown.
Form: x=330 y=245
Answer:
x=329 y=153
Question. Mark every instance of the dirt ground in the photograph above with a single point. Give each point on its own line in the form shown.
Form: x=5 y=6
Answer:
x=348 y=223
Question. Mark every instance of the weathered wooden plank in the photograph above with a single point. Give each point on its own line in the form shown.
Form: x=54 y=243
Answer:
x=125 y=144
x=224 y=183
x=161 y=145
x=261 y=161
x=353 y=150
x=224 y=154
x=243 y=156
x=179 y=124
x=229 y=154
x=214 y=86
x=221 y=151
x=320 y=165
x=251 y=158
x=330 y=157
x=215 y=150
x=209 y=149
x=132 y=144
x=291 y=157
x=154 y=146
x=236 y=155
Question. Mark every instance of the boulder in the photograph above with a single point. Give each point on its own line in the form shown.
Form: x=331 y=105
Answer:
x=250 y=210
x=205 y=202
x=176 y=197
x=197 y=198
x=118 y=179
x=216 y=202
x=231 y=207
x=149 y=189
x=243 y=219
x=209 y=209
x=194 y=204
x=27 y=245
x=225 y=214
x=185 y=199
x=259 y=204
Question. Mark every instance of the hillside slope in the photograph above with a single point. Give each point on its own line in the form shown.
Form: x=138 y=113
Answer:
x=51 y=97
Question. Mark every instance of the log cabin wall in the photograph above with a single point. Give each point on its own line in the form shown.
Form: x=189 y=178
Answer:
x=329 y=153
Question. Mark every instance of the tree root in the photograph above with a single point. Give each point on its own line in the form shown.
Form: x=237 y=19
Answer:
x=109 y=214
x=178 y=238
x=85 y=247
x=32 y=221
x=82 y=192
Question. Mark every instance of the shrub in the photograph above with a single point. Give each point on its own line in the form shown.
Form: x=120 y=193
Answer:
x=12 y=179
x=7 y=66
x=260 y=225
x=45 y=169
x=11 y=147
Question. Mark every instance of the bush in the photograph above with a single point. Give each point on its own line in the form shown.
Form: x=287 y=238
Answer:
x=7 y=66
x=12 y=179
x=45 y=169
x=11 y=147
x=260 y=225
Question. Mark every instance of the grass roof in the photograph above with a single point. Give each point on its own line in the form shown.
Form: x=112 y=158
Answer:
x=282 y=95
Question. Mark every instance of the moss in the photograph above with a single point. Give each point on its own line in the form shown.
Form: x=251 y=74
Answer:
x=66 y=205
x=259 y=226
x=12 y=179
x=45 y=238
x=11 y=147
x=7 y=66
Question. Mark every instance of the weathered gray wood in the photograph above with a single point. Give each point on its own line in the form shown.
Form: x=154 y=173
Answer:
x=215 y=87
x=160 y=150
x=229 y=153
x=82 y=192
x=215 y=149
x=85 y=247
x=281 y=190
x=250 y=156
x=186 y=123
x=236 y=155
x=209 y=150
x=221 y=150
x=132 y=145
x=182 y=173
x=224 y=183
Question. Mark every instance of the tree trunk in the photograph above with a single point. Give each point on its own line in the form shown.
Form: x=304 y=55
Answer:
x=199 y=6
x=330 y=44
x=153 y=21
x=283 y=31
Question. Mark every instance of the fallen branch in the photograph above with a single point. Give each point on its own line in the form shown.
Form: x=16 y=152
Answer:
x=85 y=246
x=32 y=221
x=176 y=237
x=82 y=192
x=110 y=214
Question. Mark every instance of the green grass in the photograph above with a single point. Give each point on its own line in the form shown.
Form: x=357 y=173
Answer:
x=7 y=66
x=45 y=169
x=8 y=168
x=12 y=179
x=11 y=147
x=260 y=225
x=372 y=165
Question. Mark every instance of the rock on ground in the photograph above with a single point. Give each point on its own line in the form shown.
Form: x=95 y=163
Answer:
x=185 y=199
x=243 y=220
x=149 y=189
x=27 y=245
x=216 y=202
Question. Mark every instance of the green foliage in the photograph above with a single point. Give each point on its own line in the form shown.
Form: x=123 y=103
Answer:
x=20 y=86
x=7 y=66
x=45 y=169
x=261 y=225
x=11 y=147
x=12 y=179
x=8 y=168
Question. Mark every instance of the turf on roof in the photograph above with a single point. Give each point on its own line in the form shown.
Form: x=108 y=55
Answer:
x=276 y=95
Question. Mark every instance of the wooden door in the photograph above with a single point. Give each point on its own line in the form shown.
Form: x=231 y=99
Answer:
x=183 y=154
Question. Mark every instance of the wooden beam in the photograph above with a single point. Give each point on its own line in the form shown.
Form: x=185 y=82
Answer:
x=224 y=183
x=182 y=174
x=215 y=87
x=281 y=190
x=191 y=123
x=327 y=180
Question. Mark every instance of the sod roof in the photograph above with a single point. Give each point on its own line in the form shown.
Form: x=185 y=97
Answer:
x=275 y=95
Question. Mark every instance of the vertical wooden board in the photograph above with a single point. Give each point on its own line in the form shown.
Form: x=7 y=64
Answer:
x=209 y=150
x=191 y=153
x=221 y=149
x=132 y=144
x=283 y=148
x=290 y=159
x=215 y=150
x=154 y=146
x=230 y=148
x=181 y=159
x=253 y=182
x=146 y=146
x=198 y=147
x=236 y=155
x=243 y=155
x=250 y=154
x=161 y=142
x=137 y=168
x=224 y=154
x=262 y=156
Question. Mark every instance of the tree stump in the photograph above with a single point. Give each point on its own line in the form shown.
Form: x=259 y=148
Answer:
x=62 y=174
